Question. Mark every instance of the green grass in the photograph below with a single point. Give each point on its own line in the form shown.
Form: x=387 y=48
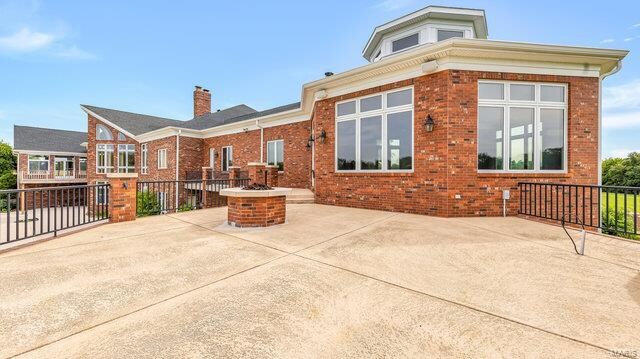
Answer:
x=611 y=207
x=612 y=201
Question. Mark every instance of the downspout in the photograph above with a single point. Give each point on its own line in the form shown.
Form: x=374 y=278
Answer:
x=602 y=77
x=261 y=140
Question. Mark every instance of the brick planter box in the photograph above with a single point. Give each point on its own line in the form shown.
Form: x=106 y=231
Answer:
x=250 y=208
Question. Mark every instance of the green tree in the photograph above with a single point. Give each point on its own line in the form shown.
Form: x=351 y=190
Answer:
x=7 y=166
x=622 y=171
x=7 y=158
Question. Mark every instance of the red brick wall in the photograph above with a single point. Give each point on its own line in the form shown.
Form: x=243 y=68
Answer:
x=256 y=211
x=92 y=176
x=246 y=148
x=297 y=157
x=191 y=150
x=445 y=159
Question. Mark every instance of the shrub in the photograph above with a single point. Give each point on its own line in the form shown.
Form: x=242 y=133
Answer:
x=147 y=204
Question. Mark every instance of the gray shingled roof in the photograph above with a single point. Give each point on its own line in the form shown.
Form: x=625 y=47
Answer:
x=218 y=118
x=134 y=123
x=27 y=138
x=138 y=124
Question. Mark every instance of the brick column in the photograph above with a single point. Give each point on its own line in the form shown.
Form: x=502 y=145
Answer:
x=203 y=186
x=257 y=171
x=234 y=173
x=272 y=176
x=122 y=196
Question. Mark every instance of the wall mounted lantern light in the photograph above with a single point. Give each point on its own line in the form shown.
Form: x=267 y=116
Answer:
x=322 y=136
x=310 y=140
x=429 y=123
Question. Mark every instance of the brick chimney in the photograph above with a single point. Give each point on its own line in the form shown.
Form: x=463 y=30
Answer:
x=201 y=101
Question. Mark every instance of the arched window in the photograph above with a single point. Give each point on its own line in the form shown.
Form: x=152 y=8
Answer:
x=103 y=133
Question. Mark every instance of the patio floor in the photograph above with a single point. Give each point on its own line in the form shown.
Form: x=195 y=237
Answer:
x=331 y=282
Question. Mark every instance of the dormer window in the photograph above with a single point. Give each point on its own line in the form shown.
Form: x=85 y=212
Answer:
x=405 y=42
x=448 y=34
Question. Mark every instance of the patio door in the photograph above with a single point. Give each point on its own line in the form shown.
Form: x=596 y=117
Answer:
x=63 y=167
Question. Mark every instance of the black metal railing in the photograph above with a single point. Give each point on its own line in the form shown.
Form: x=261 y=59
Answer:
x=33 y=212
x=613 y=209
x=160 y=197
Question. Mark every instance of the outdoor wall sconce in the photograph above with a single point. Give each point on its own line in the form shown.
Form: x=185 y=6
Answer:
x=429 y=123
x=322 y=136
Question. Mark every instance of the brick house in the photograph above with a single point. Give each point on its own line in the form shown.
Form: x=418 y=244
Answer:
x=439 y=121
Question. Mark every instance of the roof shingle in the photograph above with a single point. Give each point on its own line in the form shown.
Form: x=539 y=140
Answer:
x=27 y=138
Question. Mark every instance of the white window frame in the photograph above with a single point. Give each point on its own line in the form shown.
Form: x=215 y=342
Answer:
x=124 y=168
x=106 y=130
x=104 y=168
x=383 y=111
x=29 y=160
x=104 y=193
x=144 y=161
x=506 y=103
x=162 y=159
x=275 y=163
x=229 y=157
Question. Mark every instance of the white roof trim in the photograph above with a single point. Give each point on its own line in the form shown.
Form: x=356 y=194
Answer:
x=54 y=153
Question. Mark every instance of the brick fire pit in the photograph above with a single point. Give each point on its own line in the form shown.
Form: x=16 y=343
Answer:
x=255 y=208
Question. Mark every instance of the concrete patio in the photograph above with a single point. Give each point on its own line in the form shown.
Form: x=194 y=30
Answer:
x=331 y=282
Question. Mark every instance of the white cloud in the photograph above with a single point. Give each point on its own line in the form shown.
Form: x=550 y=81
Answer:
x=620 y=153
x=26 y=40
x=621 y=97
x=621 y=120
x=392 y=5
x=629 y=39
x=635 y=26
x=73 y=53
x=607 y=41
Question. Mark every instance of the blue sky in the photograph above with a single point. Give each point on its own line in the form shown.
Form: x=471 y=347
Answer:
x=146 y=56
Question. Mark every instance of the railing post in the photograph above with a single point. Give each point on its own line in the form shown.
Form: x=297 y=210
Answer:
x=122 y=197
x=234 y=174
x=203 y=187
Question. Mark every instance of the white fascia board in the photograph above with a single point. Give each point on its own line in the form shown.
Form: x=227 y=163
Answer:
x=53 y=153
x=541 y=68
x=168 y=132
x=281 y=118
x=125 y=132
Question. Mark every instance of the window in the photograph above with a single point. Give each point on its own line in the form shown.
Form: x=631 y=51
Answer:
x=162 y=159
x=103 y=133
x=521 y=126
x=227 y=158
x=275 y=154
x=63 y=166
x=104 y=158
x=375 y=133
x=82 y=162
x=126 y=158
x=144 y=163
x=38 y=164
x=447 y=34
x=102 y=193
x=121 y=137
x=405 y=42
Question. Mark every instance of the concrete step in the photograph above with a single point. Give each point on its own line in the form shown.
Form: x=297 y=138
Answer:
x=300 y=196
